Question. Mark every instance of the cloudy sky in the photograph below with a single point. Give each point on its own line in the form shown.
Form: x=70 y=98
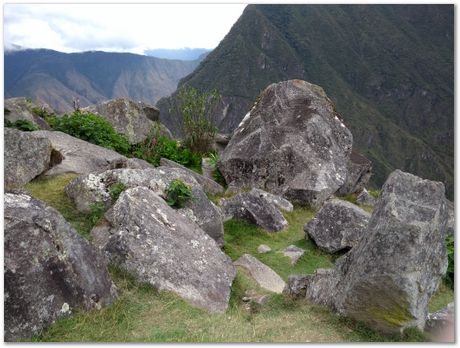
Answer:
x=117 y=27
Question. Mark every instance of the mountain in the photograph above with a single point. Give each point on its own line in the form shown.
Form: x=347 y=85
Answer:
x=180 y=53
x=387 y=68
x=57 y=78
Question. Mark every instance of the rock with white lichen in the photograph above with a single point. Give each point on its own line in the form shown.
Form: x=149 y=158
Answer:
x=49 y=270
x=146 y=237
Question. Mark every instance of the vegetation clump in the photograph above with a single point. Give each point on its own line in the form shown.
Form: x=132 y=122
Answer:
x=178 y=194
x=23 y=125
x=216 y=173
x=451 y=259
x=116 y=189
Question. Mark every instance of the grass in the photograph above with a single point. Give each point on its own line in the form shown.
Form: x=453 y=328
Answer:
x=143 y=314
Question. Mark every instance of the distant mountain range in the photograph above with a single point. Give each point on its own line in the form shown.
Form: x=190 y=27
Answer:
x=388 y=68
x=180 y=53
x=57 y=78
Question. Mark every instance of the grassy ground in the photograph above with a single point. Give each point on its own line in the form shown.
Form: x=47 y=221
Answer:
x=142 y=314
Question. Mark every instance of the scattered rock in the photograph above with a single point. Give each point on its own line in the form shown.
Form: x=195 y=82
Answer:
x=22 y=109
x=388 y=278
x=255 y=209
x=337 y=225
x=149 y=239
x=262 y=249
x=294 y=253
x=25 y=157
x=292 y=143
x=365 y=198
x=79 y=156
x=49 y=269
x=277 y=201
x=262 y=274
x=209 y=186
x=440 y=325
x=359 y=171
x=127 y=117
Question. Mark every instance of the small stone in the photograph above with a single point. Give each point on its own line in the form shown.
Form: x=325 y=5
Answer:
x=246 y=299
x=262 y=249
x=294 y=253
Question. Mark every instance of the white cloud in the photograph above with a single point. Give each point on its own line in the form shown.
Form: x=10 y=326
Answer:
x=117 y=27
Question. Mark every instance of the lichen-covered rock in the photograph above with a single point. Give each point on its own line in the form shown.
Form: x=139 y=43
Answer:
x=89 y=189
x=292 y=143
x=50 y=270
x=294 y=253
x=296 y=285
x=209 y=186
x=359 y=171
x=388 y=278
x=337 y=225
x=20 y=108
x=127 y=117
x=25 y=157
x=277 y=201
x=149 y=239
x=79 y=156
x=255 y=209
x=261 y=273
x=365 y=198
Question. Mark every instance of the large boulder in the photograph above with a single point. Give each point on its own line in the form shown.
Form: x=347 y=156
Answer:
x=388 y=278
x=86 y=190
x=292 y=143
x=21 y=108
x=337 y=225
x=209 y=186
x=254 y=208
x=149 y=239
x=79 y=156
x=25 y=157
x=127 y=117
x=277 y=201
x=359 y=171
x=50 y=270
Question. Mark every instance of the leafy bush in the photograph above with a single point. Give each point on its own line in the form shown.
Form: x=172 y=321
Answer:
x=197 y=111
x=91 y=128
x=115 y=190
x=23 y=125
x=97 y=210
x=177 y=194
x=451 y=259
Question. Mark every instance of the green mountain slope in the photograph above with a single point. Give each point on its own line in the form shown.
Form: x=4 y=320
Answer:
x=388 y=68
x=56 y=78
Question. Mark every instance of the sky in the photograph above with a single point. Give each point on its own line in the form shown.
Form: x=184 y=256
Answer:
x=117 y=27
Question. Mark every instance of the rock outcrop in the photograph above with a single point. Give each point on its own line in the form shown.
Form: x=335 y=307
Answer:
x=261 y=273
x=22 y=109
x=359 y=171
x=147 y=238
x=89 y=189
x=254 y=208
x=79 y=156
x=387 y=279
x=49 y=269
x=25 y=157
x=128 y=117
x=292 y=143
x=337 y=225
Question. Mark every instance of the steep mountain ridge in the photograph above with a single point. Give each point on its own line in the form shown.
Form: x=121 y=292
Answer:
x=388 y=69
x=56 y=78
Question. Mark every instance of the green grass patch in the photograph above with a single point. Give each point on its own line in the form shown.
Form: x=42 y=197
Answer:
x=441 y=298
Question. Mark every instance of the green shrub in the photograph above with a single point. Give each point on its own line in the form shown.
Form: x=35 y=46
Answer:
x=23 y=125
x=91 y=128
x=40 y=112
x=450 y=259
x=115 y=190
x=177 y=194
x=97 y=210
x=375 y=193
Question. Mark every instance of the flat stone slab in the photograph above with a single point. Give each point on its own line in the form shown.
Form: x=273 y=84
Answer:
x=294 y=253
x=262 y=249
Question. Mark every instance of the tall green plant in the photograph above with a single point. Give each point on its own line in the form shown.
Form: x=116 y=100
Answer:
x=197 y=109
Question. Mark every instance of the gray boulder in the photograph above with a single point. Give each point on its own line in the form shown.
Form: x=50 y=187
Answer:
x=50 y=270
x=263 y=248
x=450 y=218
x=388 y=278
x=296 y=286
x=25 y=157
x=21 y=108
x=359 y=171
x=89 y=189
x=127 y=117
x=337 y=225
x=261 y=273
x=440 y=325
x=365 y=198
x=209 y=186
x=255 y=209
x=294 y=253
x=149 y=239
x=79 y=156
x=292 y=143
x=220 y=142
x=277 y=201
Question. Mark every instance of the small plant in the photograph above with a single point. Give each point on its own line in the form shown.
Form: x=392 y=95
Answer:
x=116 y=189
x=375 y=193
x=216 y=173
x=451 y=259
x=23 y=125
x=97 y=210
x=178 y=193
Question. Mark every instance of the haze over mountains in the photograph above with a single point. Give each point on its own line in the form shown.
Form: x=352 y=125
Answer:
x=388 y=69
x=57 y=78
x=180 y=53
